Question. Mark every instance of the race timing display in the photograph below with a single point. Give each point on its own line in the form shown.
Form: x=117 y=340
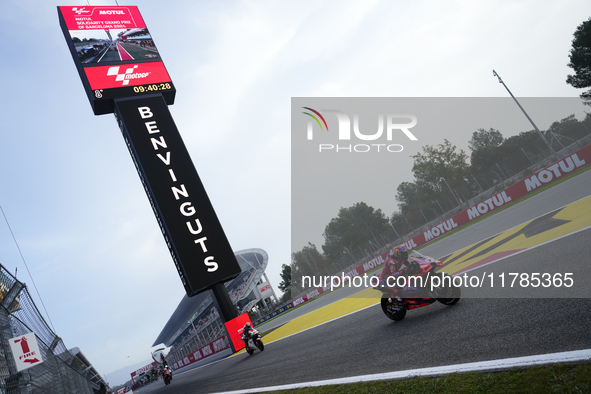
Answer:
x=114 y=53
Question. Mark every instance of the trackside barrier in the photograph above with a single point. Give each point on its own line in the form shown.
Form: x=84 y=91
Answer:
x=557 y=170
x=143 y=369
x=272 y=314
x=211 y=348
x=551 y=173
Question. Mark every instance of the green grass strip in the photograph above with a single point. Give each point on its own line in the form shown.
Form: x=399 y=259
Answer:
x=555 y=378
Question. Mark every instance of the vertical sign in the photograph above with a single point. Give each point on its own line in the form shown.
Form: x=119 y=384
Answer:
x=198 y=245
x=25 y=351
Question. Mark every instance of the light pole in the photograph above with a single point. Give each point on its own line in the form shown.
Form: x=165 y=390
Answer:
x=525 y=113
x=451 y=191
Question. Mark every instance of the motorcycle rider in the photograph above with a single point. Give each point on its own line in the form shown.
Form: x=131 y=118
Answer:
x=396 y=264
x=167 y=374
x=246 y=332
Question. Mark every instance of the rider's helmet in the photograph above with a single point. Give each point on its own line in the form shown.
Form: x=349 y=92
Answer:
x=247 y=325
x=400 y=253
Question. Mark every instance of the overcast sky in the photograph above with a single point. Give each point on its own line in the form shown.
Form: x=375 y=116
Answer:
x=70 y=190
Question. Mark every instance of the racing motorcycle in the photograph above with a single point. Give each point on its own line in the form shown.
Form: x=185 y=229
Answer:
x=423 y=286
x=167 y=375
x=254 y=342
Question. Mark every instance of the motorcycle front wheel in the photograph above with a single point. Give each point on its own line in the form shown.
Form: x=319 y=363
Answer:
x=448 y=295
x=260 y=345
x=392 y=310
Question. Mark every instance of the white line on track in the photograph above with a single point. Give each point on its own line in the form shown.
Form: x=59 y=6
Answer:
x=493 y=365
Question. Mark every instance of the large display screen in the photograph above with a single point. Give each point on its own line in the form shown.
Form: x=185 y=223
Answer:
x=115 y=54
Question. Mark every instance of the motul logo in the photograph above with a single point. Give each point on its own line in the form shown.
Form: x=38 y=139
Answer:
x=113 y=12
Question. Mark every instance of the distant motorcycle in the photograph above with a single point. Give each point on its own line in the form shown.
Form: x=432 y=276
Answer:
x=167 y=375
x=425 y=287
x=253 y=342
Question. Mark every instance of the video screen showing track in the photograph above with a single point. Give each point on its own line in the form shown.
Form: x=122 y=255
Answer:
x=114 y=46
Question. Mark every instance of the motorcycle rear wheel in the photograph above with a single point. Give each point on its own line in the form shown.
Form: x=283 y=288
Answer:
x=393 y=314
x=249 y=351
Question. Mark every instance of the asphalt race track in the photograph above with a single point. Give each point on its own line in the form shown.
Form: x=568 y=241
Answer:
x=476 y=329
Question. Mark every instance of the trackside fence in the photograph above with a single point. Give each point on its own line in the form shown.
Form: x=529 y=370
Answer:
x=60 y=372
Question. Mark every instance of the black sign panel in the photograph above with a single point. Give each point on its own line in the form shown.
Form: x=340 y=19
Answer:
x=191 y=229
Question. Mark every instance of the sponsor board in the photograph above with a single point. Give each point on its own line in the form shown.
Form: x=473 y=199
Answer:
x=144 y=369
x=265 y=289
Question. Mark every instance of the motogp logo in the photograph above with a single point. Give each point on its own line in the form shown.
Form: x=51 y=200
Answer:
x=80 y=11
x=128 y=75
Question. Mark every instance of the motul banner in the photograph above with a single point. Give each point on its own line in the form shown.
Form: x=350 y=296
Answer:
x=144 y=369
x=114 y=53
x=549 y=174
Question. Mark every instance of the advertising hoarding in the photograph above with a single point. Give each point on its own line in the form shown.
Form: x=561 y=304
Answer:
x=265 y=290
x=114 y=53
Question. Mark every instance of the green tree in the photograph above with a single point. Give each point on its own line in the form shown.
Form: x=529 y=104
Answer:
x=307 y=262
x=485 y=138
x=485 y=158
x=436 y=165
x=411 y=196
x=398 y=221
x=570 y=128
x=580 y=60
x=352 y=227
x=286 y=278
x=407 y=195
